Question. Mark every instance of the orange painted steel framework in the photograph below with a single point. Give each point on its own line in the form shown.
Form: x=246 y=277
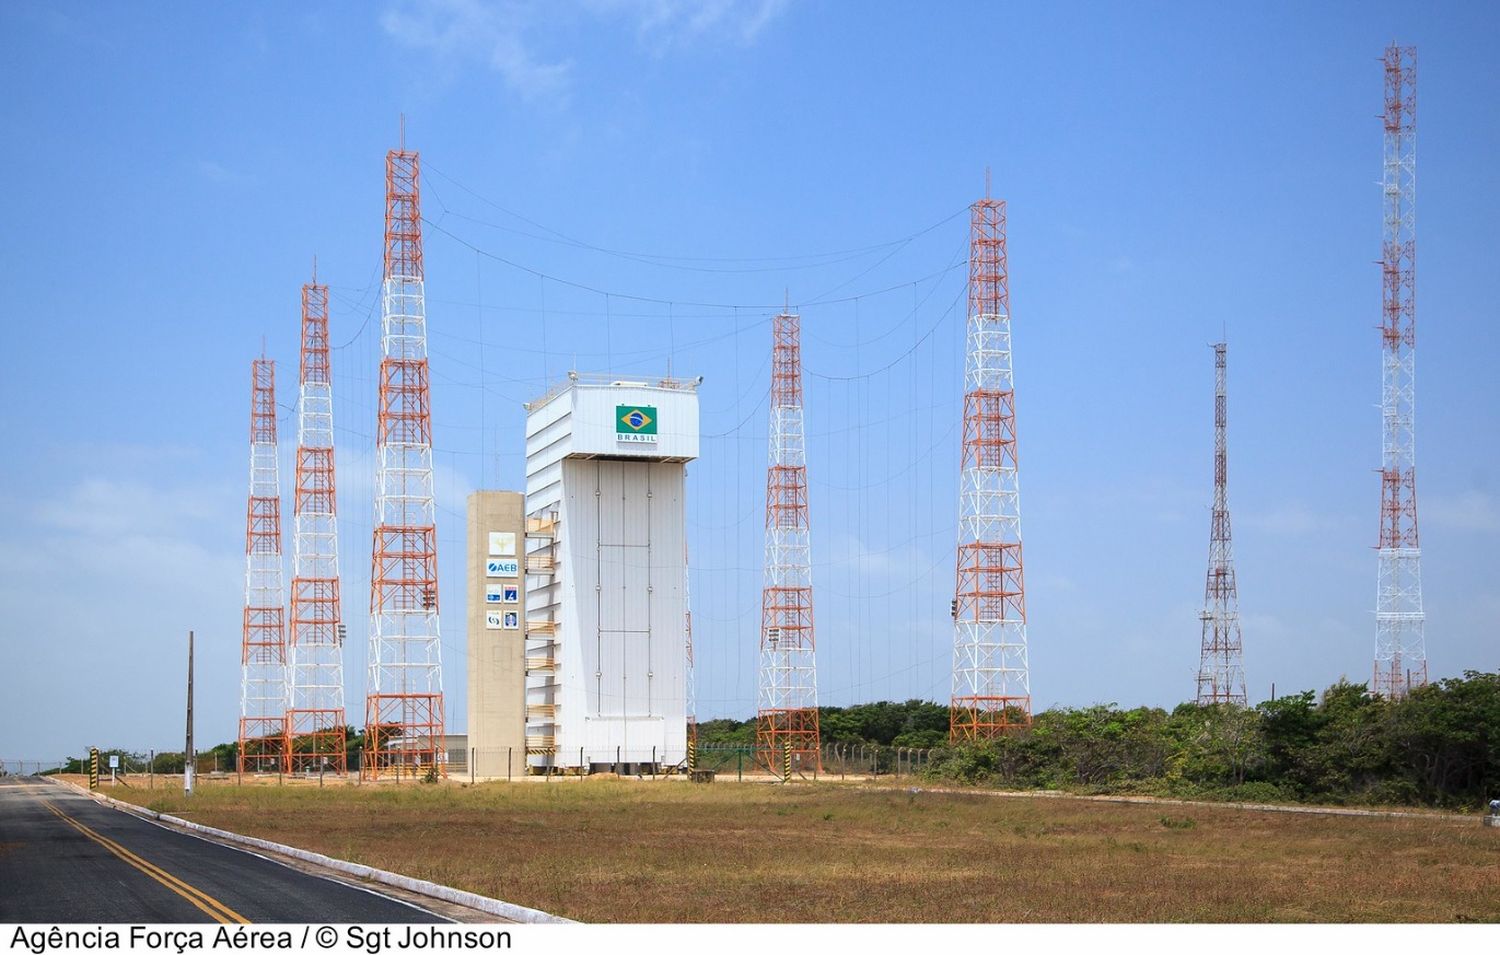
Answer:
x=690 y=676
x=787 y=710
x=991 y=673
x=315 y=721
x=263 y=699
x=404 y=708
x=1400 y=642
x=1221 y=663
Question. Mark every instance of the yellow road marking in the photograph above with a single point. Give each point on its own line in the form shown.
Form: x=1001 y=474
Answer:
x=208 y=904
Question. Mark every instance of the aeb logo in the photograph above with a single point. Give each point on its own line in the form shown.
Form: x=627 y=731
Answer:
x=502 y=567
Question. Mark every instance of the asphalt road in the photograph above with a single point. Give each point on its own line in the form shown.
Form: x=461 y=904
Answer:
x=66 y=858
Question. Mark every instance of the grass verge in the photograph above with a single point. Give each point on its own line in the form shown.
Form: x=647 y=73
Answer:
x=622 y=851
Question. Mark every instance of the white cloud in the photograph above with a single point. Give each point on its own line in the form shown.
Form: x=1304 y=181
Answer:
x=1265 y=626
x=1293 y=519
x=101 y=581
x=102 y=576
x=502 y=33
x=1469 y=511
x=220 y=173
x=661 y=24
x=108 y=508
x=457 y=30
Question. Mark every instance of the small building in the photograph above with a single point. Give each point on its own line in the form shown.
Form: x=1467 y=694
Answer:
x=496 y=742
x=605 y=654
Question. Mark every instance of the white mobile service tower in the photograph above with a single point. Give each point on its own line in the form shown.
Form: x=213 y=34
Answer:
x=605 y=628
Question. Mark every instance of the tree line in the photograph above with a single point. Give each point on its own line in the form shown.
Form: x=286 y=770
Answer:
x=1438 y=746
x=223 y=757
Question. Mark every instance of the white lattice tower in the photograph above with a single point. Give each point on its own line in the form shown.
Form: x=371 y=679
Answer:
x=991 y=672
x=1400 y=644
x=690 y=676
x=316 y=720
x=787 y=699
x=404 y=709
x=263 y=687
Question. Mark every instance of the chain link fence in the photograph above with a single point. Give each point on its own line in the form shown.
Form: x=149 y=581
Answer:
x=840 y=760
x=514 y=762
x=31 y=767
x=731 y=760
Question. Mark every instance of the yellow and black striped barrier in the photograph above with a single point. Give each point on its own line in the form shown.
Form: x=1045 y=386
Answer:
x=692 y=754
x=786 y=761
x=93 y=768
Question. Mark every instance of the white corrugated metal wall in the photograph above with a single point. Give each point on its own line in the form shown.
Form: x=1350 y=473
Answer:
x=625 y=565
x=617 y=600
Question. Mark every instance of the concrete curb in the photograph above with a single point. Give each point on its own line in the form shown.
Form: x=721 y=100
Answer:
x=482 y=903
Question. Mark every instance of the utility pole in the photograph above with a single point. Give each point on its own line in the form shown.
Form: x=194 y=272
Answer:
x=187 y=749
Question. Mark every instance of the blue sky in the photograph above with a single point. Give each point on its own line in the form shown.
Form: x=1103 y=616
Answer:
x=627 y=184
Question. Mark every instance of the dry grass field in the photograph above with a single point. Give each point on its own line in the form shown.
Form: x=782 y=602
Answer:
x=622 y=851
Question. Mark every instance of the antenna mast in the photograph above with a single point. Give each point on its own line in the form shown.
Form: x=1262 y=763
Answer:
x=991 y=672
x=263 y=691
x=316 y=719
x=404 y=708
x=690 y=676
x=787 y=714
x=1221 y=664
x=1400 y=644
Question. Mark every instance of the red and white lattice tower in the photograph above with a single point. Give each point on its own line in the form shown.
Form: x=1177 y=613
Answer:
x=787 y=700
x=1400 y=645
x=690 y=676
x=263 y=696
x=315 y=722
x=991 y=672
x=1221 y=663
x=404 y=708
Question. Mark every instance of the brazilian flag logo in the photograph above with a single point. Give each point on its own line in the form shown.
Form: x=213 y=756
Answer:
x=635 y=423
